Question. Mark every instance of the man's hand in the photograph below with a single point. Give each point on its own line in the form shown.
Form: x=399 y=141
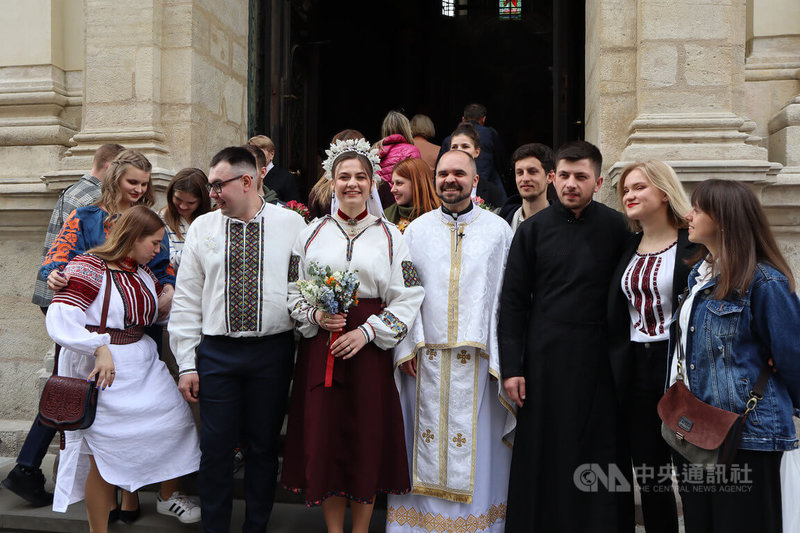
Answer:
x=515 y=388
x=189 y=385
x=165 y=301
x=410 y=367
x=57 y=280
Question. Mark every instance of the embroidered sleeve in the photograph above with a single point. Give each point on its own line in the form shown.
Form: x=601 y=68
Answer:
x=294 y=265
x=85 y=279
x=299 y=309
x=403 y=297
x=394 y=323
x=368 y=331
x=410 y=276
x=64 y=247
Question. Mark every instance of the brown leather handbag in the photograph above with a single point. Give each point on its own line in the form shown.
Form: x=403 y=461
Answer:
x=71 y=403
x=701 y=433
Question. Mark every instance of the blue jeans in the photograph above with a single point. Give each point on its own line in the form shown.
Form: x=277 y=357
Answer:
x=35 y=447
x=244 y=384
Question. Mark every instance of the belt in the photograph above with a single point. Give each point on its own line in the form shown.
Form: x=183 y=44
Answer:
x=122 y=336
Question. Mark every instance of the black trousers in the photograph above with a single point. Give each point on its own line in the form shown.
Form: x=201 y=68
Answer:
x=244 y=384
x=749 y=500
x=652 y=461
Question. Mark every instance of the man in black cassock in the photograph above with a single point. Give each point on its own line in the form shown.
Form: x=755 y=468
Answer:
x=554 y=359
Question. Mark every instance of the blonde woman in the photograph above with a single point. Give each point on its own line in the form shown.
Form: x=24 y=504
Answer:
x=127 y=183
x=643 y=296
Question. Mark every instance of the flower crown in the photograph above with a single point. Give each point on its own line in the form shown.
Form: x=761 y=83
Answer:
x=359 y=146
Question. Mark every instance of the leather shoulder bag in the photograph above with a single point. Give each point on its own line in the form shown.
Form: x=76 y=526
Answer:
x=71 y=403
x=701 y=433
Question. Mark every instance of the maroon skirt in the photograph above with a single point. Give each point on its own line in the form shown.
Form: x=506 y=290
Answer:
x=347 y=439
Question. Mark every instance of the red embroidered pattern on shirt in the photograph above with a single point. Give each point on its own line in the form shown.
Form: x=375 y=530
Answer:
x=85 y=279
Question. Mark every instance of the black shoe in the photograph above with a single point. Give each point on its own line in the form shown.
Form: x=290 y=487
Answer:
x=129 y=517
x=28 y=484
x=113 y=515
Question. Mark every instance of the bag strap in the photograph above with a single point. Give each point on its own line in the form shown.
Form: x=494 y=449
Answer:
x=756 y=394
x=106 y=298
x=103 y=318
x=681 y=356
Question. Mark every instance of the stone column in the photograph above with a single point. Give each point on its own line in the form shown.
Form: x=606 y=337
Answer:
x=41 y=81
x=40 y=96
x=122 y=93
x=166 y=77
x=689 y=92
x=773 y=99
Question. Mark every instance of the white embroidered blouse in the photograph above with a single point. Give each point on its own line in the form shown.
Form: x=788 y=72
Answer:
x=374 y=249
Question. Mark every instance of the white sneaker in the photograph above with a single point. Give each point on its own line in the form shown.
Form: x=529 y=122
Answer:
x=180 y=506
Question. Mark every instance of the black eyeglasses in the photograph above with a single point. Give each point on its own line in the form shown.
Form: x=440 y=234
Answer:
x=217 y=185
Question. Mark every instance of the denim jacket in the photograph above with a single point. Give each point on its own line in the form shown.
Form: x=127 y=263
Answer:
x=728 y=343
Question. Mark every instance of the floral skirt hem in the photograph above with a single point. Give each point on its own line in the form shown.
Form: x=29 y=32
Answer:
x=343 y=494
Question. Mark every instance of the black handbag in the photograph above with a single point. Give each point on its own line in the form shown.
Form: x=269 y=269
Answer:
x=701 y=433
x=71 y=403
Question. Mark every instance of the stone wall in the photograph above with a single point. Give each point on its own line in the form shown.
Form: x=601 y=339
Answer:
x=711 y=88
x=41 y=84
x=168 y=77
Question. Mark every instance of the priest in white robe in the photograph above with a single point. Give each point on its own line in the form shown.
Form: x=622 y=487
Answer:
x=458 y=422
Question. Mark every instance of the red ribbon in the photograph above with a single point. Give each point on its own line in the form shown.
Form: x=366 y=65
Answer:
x=332 y=336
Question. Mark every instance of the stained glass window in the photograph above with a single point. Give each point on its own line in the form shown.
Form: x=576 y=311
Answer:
x=448 y=9
x=510 y=9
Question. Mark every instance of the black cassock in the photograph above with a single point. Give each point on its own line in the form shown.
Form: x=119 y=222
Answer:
x=553 y=332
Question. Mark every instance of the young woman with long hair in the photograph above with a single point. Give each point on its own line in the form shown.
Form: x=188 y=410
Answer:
x=650 y=276
x=738 y=323
x=143 y=431
x=127 y=183
x=319 y=198
x=187 y=199
x=345 y=441
x=413 y=191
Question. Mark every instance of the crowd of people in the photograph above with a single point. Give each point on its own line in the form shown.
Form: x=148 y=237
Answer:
x=494 y=373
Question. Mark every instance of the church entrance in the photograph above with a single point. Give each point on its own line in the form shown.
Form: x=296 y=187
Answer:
x=318 y=67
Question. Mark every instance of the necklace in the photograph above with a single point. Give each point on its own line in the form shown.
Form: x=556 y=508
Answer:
x=353 y=223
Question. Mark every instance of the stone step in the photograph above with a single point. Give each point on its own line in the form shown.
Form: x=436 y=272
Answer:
x=12 y=435
x=19 y=517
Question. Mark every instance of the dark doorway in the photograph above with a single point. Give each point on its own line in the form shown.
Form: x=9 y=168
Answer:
x=318 y=67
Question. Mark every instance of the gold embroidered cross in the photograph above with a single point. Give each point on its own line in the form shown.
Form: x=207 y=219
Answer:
x=463 y=357
x=459 y=439
x=428 y=435
x=430 y=353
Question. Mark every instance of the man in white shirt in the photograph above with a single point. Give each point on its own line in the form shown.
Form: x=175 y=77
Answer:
x=232 y=336
x=534 y=170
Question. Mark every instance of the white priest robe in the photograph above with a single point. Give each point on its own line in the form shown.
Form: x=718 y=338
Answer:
x=458 y=421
